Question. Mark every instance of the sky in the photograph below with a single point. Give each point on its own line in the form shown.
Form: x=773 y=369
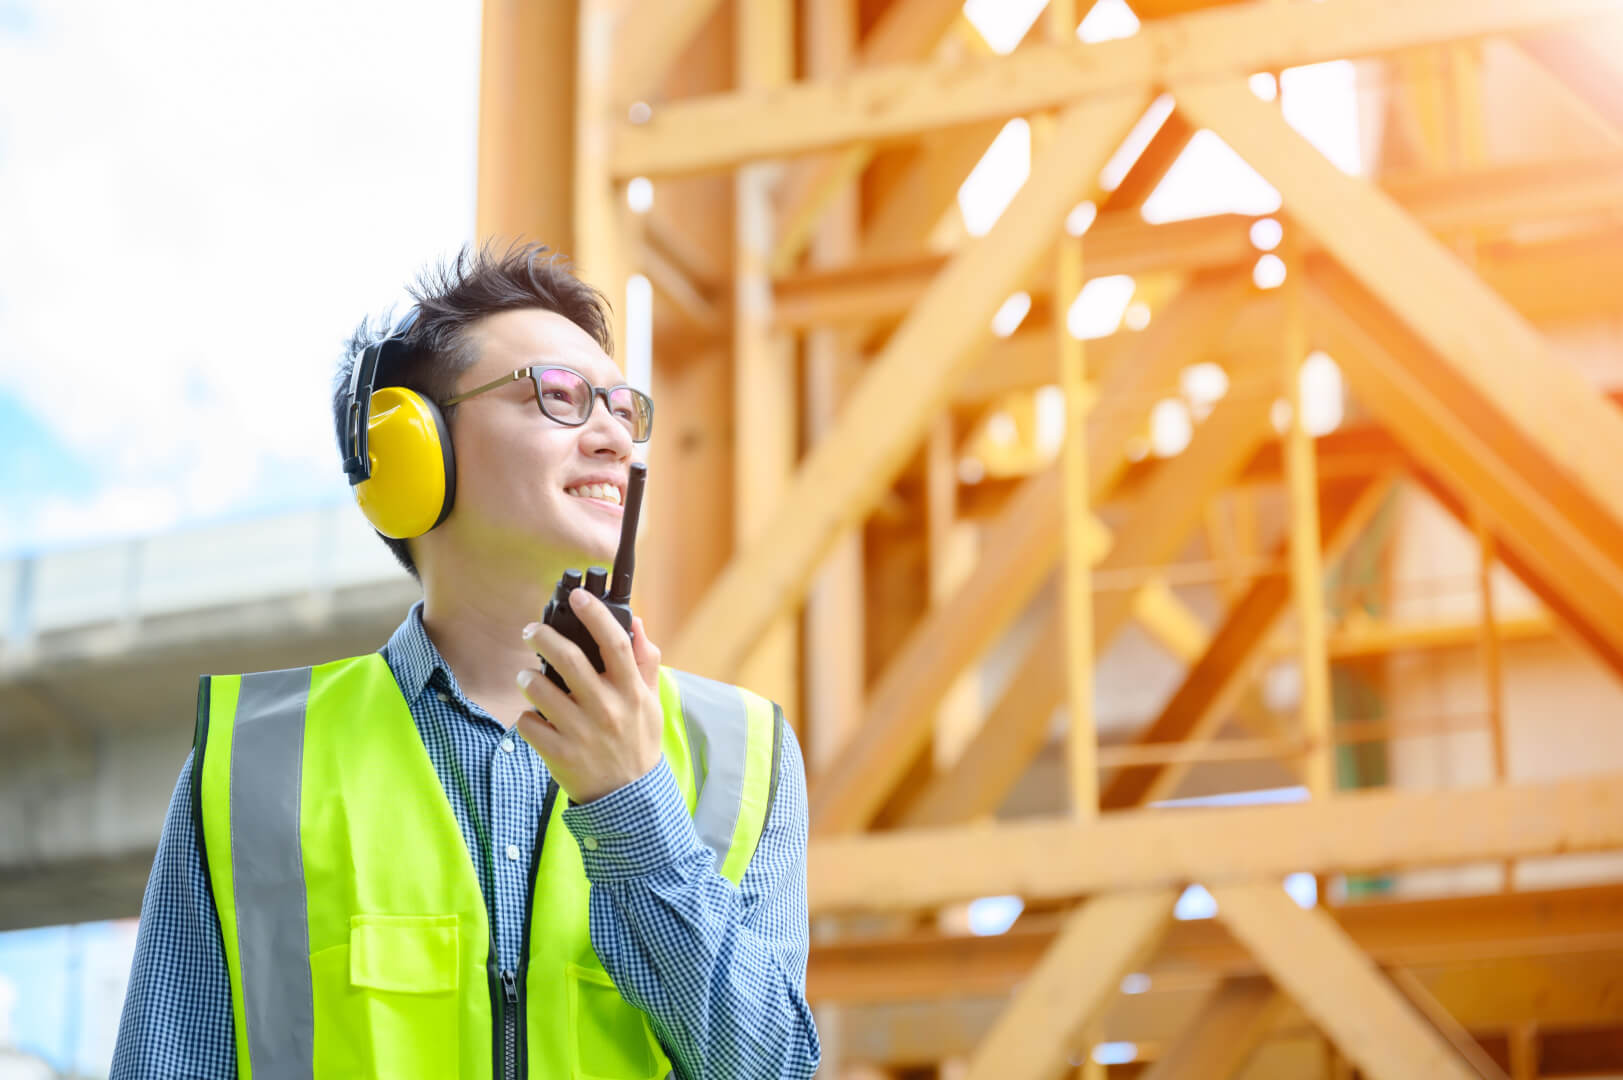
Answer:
x=198 y=201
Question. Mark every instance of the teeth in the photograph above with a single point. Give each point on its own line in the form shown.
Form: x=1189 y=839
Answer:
x=608 y=493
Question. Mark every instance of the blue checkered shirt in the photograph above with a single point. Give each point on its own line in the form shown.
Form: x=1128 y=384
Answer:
x=720 y=970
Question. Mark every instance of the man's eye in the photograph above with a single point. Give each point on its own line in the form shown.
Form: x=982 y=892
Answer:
x=558 y=395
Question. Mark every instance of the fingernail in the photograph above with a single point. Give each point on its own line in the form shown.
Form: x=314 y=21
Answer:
x=525 y=678
x=578 y=598
x=531 y=630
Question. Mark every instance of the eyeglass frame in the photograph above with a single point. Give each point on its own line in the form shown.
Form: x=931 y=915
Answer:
x=597 y=392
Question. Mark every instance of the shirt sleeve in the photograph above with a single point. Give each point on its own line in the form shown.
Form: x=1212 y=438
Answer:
x=719 y=969
x=177 y=1011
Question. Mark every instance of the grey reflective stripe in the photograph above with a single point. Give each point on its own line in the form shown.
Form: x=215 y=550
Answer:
x=267 y=869
x=718 y=736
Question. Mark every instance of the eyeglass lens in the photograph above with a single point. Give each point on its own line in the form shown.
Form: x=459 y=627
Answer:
x=566 y=397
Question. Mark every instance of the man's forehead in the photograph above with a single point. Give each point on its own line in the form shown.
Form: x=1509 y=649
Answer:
x=514 y=339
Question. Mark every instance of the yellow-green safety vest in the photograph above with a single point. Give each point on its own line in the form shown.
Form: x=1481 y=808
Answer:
x=354 y=927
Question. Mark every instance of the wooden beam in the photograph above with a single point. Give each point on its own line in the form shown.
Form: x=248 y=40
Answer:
x=1578 y=60
x=1437 y=1014
x=907 y=30
x=1120 y=242
x=1313 y=960
x=1424 y=935
x=1014 y=729
x=1043 y=1027
x=649 y=37
x=1480 y=340
x=1170 y=621
x=1577 y=93
x=1239 y=1016
x=1163 y=520
x=1017 y=554
x=925 y=189
x=1535 y=575
x=1387 y=370
x=1213 y=684
x=1357 y=831
x=950 y=548
x=910 y=382
x=672 y=284
x=899 y=101
x=1561 y=991
x=1152 y=165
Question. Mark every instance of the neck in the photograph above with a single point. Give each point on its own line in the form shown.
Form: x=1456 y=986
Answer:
x=477 y=620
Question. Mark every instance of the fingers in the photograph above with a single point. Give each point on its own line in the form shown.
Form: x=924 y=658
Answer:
x=618 y=663
x=552 y=703
x=646 y=654
x=540 y=733
x=564 y=655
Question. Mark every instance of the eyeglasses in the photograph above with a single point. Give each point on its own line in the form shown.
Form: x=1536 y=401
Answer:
x=568 y=397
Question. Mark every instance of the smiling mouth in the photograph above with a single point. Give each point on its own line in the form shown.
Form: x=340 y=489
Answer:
x=603 y=493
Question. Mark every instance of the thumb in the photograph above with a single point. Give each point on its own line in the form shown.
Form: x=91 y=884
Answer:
x=646 y=654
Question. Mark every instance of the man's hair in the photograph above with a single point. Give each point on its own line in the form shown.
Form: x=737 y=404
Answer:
x=450 y=297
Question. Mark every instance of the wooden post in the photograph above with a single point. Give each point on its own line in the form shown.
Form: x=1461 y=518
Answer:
x=1524 y=1051
x=950 y=548
x=1307 y=574
x=834 y=623
x=601 y=238
x=527 y=123
x=1082 y=740
x=764 y=419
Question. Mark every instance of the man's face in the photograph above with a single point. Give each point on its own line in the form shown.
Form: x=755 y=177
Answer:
x=525 y=483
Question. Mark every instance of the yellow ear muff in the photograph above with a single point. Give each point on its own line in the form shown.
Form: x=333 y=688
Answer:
x=413 y=481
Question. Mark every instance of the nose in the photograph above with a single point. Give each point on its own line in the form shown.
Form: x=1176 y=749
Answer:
x=602 y=434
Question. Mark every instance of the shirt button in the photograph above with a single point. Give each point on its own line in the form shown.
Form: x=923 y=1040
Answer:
x=591 y=843
x=442 y=695
x=512 y=852
x=506 y=745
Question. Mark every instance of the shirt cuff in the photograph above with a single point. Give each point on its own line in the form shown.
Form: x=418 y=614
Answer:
x=634 y=830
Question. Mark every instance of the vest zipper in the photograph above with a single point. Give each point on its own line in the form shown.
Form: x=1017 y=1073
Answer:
x=521 y=1041
x=510 y=1025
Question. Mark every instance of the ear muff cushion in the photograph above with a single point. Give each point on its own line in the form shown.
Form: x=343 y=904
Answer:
x=413 y=482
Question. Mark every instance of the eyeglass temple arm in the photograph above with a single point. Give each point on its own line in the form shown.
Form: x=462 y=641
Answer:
x=521 y=373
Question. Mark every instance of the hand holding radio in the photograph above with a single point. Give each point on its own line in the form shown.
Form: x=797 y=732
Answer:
x=599 y=732
x=562 y=618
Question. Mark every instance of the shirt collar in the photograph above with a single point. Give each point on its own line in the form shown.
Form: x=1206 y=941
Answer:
x=414 y=659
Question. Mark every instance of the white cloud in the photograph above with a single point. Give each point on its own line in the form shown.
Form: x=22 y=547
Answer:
x=199 y=202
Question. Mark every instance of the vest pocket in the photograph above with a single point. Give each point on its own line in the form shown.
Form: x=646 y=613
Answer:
x=612 y=1038
x=397 y=995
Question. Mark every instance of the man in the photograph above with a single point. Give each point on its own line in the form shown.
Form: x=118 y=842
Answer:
x=364 y=873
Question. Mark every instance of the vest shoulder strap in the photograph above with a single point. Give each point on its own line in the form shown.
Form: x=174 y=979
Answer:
x=734 y=740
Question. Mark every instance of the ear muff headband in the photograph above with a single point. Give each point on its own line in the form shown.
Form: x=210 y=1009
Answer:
x=397 y=449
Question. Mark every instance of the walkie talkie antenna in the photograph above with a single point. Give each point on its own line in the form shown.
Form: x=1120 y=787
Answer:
x=625 y=559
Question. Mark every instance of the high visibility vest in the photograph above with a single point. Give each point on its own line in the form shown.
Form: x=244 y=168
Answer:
x=355 y=931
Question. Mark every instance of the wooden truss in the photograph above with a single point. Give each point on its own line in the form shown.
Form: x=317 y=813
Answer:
x=827 y=371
